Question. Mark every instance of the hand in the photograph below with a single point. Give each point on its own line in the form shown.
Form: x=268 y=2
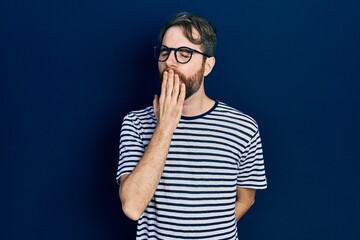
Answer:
x=168 y=107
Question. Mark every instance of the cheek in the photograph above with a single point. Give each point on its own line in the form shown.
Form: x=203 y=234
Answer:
x=162 y=66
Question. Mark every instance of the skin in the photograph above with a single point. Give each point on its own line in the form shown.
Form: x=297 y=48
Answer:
x=134 y=192
x=192 y=83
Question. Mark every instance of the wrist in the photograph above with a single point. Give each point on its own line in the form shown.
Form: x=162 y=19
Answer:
x=164 y=131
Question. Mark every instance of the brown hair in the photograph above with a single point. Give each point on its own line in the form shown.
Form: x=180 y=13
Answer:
x=189 y=21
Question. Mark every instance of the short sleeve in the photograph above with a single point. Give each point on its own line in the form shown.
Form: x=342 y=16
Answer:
x=252 y=170
x=131 y=147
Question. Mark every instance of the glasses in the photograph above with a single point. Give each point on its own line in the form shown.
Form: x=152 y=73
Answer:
x=182 y=54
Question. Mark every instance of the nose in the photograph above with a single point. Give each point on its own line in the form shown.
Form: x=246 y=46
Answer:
x=171 y=61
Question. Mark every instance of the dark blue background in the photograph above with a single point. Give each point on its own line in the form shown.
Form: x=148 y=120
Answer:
x=70 y=71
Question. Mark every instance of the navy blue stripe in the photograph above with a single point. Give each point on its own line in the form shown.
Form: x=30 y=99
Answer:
x=194 y=192
x=205 y=185
x=196 y=198
x=193 y=179
x=210 y=132
x=198 y=173
x=184 y=217
x=179 y=236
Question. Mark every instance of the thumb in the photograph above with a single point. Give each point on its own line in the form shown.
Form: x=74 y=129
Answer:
x=156 y=106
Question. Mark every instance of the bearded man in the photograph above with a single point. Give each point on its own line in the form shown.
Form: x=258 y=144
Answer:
x=189 y=165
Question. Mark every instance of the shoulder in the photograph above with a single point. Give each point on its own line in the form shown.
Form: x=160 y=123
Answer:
x=143 y=118
x=141 y=114
x=233 y=114
x=140 y=121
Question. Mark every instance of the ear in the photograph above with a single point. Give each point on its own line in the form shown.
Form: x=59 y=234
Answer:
x=209 y=64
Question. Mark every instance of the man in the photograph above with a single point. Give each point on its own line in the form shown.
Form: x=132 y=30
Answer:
x=189 y=165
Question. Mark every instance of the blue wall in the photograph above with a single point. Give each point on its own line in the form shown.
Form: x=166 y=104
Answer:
x=70 y=71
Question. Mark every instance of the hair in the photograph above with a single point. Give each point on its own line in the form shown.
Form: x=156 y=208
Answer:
x=189 y=22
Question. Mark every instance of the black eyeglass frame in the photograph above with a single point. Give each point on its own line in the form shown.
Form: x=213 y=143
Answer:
x=169 y=50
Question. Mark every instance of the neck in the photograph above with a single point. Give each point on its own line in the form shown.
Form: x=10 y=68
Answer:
x=197 y=104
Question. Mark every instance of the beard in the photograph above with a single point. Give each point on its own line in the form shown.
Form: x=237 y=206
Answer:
x=192 y=83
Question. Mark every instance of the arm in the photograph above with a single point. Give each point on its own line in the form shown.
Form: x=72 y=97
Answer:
x=137 y=189
x=245 y=198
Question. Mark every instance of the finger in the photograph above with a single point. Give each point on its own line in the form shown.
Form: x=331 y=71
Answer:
x=170 y=83
x=155 y=103
x=156 y=106
x=176 y=87
x=181 y=97
x=163 y=85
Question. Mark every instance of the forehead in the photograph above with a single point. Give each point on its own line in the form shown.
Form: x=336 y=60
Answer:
x=175 y=37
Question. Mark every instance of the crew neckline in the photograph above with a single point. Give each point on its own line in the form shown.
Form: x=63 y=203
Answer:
x=201 y=115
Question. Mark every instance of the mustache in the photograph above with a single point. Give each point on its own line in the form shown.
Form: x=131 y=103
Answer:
x=182 y=77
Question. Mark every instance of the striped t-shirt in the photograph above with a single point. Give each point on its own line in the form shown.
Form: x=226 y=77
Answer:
x=209 y=157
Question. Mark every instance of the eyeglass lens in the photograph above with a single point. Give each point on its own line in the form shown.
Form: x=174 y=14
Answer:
x=182 y=54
